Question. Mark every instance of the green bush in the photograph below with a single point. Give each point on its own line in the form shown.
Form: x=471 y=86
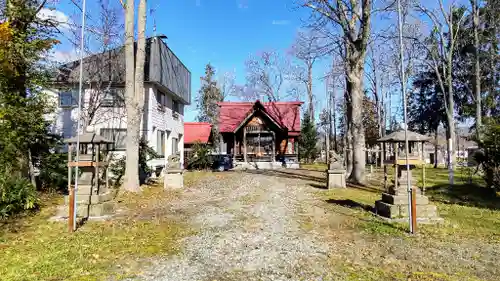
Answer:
x=16 y=194
x=201 y=158
x=53 y=174
x=117 y=167
x=117 y=170
x=491 y=161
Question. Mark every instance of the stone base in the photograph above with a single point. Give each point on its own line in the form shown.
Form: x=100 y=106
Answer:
x=403 y=199
x=336 y=179
x=90 y=199
x=89 y=211
x=173 y=179
x=400 y=211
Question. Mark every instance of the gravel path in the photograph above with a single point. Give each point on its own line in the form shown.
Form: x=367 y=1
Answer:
x=247 y=229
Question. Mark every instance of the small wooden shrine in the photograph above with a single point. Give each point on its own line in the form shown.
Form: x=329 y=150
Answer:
x=394 y=203
x=92 y=194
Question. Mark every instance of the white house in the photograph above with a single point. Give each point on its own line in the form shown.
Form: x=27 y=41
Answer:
x=167 y=92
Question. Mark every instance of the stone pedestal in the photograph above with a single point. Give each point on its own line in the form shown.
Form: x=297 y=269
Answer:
x=336 y=178
x=93 y=199
x=394 y=203
x=174 y=178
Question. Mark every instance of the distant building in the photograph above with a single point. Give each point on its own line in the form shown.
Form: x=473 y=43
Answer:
x=197 y=132
x=167 y=91
x=256 y=134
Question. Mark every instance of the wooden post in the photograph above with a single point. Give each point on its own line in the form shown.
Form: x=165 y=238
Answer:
x=244 y=145
x=71 y=191
x=396 y=172
x=414 y=210
x=274 y=147
x=97 y=165
x=234 y=148
x=423 y=171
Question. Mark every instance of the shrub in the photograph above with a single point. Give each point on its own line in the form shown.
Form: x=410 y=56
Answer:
x=117 y=167
x=491 y=161
x=16 y=194
x=201 y=158
x=53 y=172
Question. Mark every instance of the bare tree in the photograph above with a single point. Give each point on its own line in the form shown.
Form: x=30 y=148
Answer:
x=477 y=66
x=308 y=47
x=441 y=46
x=353 y=17
x=267 y=73
x=103 y=70
x=134 y=90
x=226 y=84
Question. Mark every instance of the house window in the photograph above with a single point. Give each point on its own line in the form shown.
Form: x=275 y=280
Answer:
x=160 y=143
x=113 y=98
x=117 y=136
x=161 y=99
x=68 y=99
x=175 y=146
x=175 y=106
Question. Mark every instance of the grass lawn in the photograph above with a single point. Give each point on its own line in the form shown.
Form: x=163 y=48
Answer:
x=33 y=248
x=465 y=247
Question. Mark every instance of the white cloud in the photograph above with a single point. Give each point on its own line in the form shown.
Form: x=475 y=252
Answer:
x=59 y=56
x=242 y=4
x=280 y=22
x=57 y=16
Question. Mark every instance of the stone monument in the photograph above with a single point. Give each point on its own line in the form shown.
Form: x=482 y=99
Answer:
x=173 y=173
x=336 y=172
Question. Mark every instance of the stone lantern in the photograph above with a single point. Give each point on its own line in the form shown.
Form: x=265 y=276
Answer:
x=394 y=203
x=93 y=197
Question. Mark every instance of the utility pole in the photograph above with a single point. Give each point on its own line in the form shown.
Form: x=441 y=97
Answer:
x=328 y=137
x=411 y=194
x=72 y=217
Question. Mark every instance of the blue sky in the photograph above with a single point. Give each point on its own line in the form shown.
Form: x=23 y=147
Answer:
x=222 y=32
x=225 y=32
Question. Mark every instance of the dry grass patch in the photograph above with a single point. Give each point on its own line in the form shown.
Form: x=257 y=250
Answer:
x=43 y=250
x=465 y=247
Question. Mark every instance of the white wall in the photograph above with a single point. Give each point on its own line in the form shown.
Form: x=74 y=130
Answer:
x=164 y=121
x=65 y=120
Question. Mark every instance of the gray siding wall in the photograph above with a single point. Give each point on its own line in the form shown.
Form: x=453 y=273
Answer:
x=167 y=70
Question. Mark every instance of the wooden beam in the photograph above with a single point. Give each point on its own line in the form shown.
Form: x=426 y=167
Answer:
x=396 y=172
x=245 y=145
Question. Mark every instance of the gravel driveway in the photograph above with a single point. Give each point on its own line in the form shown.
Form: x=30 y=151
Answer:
x=247 y=228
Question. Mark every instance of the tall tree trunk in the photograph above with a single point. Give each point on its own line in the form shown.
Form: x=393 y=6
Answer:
x=131 y=182
x=355 y=90
x=310 y=91
x=450 y=114
x=31 y=168
x=477 y=68
x=436 y=145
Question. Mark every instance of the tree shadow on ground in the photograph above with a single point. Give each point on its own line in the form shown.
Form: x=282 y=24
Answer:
x=289 y=174
x=348 y=203
x=464 y=194
x=374 y=222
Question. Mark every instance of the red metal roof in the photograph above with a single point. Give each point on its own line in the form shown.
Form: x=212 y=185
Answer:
x=196 y=131
x=287 y=114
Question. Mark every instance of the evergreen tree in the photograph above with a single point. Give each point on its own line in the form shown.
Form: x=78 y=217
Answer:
x=209 y=95
x=308 y=139
x=24 y=42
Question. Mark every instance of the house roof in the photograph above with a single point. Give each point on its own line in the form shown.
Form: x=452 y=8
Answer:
x=399 y=136
x=162 y=67
x=286 y=114
x=197 y=132
x=88 y=138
